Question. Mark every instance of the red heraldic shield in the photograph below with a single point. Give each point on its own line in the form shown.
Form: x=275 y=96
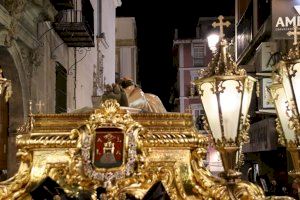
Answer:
x=109 y=146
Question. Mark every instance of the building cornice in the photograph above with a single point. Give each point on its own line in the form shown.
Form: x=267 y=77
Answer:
x=23 y=33
x=125 y=42
x=190 y=68
x=187 y=41
x=183 y=97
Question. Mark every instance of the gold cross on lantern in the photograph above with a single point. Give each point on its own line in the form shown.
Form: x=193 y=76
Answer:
x=39 y=106
x=295 y=34
x=221 y=24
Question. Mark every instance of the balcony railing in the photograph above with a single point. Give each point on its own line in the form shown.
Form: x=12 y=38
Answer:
x=76 y=26
x=62 y=4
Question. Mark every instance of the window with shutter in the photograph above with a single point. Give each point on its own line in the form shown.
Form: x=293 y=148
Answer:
x=198 y=54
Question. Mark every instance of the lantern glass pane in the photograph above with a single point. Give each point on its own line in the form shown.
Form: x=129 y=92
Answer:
x=248 y=88
x=210 y=105
x=287 y=84
x=281 y=103
x=230 y=102
x=296 y=83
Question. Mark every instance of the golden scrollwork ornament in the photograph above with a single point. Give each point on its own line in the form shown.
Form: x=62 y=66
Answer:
x=5 y=87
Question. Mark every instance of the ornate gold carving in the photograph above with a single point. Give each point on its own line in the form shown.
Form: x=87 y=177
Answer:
x=32 y=59
x=27 y=126
x=15 y=187
x=5 y=87
x=221 y=24
x=243 y=136
x=163 y=147
x=211 y=187
x=222 y=64
x=281 y=138
x=293 y=53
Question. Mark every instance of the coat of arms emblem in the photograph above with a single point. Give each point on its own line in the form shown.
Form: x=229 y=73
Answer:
x=109 y=145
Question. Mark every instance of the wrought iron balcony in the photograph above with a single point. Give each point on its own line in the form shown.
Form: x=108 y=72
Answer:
x=62 y=4
x=76 y=26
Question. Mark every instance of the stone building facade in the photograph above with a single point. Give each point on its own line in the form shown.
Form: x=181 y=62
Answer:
x=192 y=55
x=55 y=71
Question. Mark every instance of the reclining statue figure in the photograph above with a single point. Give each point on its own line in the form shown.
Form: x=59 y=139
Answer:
x=127 y=93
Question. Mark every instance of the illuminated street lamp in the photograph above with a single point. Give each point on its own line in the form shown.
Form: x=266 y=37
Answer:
x=212 y=41
x=225 y=92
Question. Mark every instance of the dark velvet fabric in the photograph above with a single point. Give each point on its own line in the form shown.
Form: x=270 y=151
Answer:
x=157 y=192
x=47 y=190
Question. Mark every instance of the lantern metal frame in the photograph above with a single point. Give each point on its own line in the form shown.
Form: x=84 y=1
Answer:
x=288 y=123
x=212 y=80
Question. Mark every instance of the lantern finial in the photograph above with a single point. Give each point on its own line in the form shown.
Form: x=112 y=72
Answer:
x=221 y=24
x=294 y=52
x=222 y=63
x=294 y=33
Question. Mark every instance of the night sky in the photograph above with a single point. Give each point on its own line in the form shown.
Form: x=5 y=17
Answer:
x=156 y=21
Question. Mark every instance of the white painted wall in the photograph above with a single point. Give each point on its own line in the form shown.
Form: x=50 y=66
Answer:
x=36 y=47
x=128 y=62
x=84 y=86
x=127 y=49
x=43 y=78
x=125 y=28
x=108 y=27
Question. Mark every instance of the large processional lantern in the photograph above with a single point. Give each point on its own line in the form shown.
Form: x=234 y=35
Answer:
x=225 y=92
x=285 y=92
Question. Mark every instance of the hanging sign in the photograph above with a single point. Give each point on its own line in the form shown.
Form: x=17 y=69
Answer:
x=285 y=15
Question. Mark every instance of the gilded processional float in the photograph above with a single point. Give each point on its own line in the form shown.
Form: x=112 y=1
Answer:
x=115 y=152
x=140 y=149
